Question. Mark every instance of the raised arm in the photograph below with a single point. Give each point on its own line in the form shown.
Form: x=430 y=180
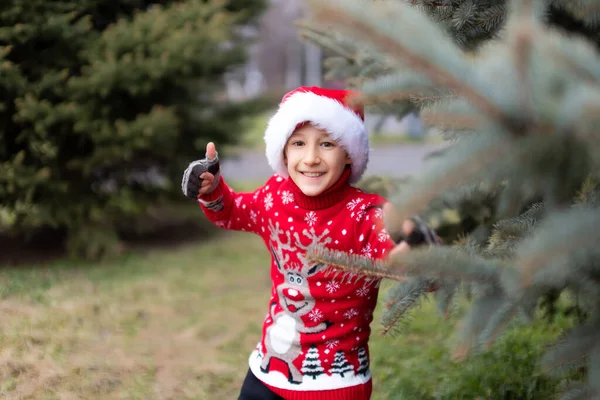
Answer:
x=224 y=207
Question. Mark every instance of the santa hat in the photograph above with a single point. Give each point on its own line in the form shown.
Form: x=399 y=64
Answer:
x=327 y=109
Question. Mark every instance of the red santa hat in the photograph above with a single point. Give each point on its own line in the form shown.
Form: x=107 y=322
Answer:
x=327 y=109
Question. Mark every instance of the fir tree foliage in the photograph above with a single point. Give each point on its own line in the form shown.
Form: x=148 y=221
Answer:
x=515 y=193
x=355 y=64
x=103 y=105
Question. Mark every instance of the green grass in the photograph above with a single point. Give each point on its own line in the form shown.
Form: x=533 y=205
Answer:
x=418 y=362
x=177 y=324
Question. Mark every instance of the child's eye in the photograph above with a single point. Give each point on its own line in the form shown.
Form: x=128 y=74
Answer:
x=328 y=144
x=297 y=143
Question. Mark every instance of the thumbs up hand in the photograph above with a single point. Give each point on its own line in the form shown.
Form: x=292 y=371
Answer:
x=211 y=151
x=202 y=176
x=208 y=177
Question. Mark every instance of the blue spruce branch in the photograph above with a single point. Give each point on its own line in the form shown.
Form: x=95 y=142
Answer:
x=445 y=296
x=400 y=299
x=574 y=349
x=387 y=26
x=498 y=322
x=352 y=263
x=476 y=320
x=564 y=249
x=447 y=263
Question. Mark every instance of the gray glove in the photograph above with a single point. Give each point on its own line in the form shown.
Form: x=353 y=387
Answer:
x=190 y=184
x=422 y=234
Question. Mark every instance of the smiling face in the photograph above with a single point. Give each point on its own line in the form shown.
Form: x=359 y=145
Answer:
x=314 y=161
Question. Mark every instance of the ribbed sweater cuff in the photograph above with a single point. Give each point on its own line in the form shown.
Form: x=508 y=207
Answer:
x=357 y=392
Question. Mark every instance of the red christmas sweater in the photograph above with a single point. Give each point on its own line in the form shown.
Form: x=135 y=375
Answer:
x=315 y=335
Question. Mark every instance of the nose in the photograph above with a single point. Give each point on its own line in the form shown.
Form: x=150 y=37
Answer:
x=311 y=157
x=293 y=294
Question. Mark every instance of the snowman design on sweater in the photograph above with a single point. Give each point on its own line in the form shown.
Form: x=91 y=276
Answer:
x=315 y=335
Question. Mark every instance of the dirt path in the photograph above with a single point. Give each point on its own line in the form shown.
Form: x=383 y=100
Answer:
x=396 y=161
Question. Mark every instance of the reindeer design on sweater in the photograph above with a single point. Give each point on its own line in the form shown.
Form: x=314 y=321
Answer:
x=284 y=335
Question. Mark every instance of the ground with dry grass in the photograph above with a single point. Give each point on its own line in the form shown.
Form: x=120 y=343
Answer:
x=176 y=324
x=168 y=324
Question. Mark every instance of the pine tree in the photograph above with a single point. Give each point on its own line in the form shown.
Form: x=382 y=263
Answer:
x=515 y=88
x=363 y=362
x=340 y=364
x=104 y=103
x=311 y=366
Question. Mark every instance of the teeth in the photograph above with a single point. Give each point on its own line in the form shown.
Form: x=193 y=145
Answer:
x=313 y=174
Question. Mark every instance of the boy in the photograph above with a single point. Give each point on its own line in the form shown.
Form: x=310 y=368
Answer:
x=314 y=342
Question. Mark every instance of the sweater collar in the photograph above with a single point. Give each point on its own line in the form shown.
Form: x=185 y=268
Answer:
x=326 y=199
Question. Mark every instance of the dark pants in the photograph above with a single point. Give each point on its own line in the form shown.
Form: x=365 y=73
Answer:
x=254 y=389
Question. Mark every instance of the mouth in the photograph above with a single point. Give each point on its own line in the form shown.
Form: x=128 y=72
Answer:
x=292 y=308
x=313 y=174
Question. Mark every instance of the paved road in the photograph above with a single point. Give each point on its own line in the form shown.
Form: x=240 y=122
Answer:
x=396 y=161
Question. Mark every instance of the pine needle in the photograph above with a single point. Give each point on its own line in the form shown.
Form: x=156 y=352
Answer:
x=352 y=263
x=321 y=39
x=579 y=392
x=352 y=14
x=444 y=297
x=452 y=121
x=572 y=351
x=425 y=99
x=522 y=38
x=445 y=263
x=478 y=318
x=401 y=298
x=466 y=162
x=393 y=87
x=563 y=242
x=508 y=234
x=589 y=193
x=499 y=321
x=492 y=17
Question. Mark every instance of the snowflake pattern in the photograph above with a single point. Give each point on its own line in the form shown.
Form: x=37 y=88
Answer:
x=378 y=213
x=268 y=201
x=352 y=204
x=253 y=216
x=315 y=315
x=383 y=236
x=360 y=213
x=311 y=218
x=287 y=197
x=367 y=251
x=331 y=344
x=351 y=313
x=222 y=224
x=332 y=286
x=238 y=201
x=362 y=291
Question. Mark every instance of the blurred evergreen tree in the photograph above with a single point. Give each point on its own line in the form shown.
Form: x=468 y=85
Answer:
x=103 y=103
